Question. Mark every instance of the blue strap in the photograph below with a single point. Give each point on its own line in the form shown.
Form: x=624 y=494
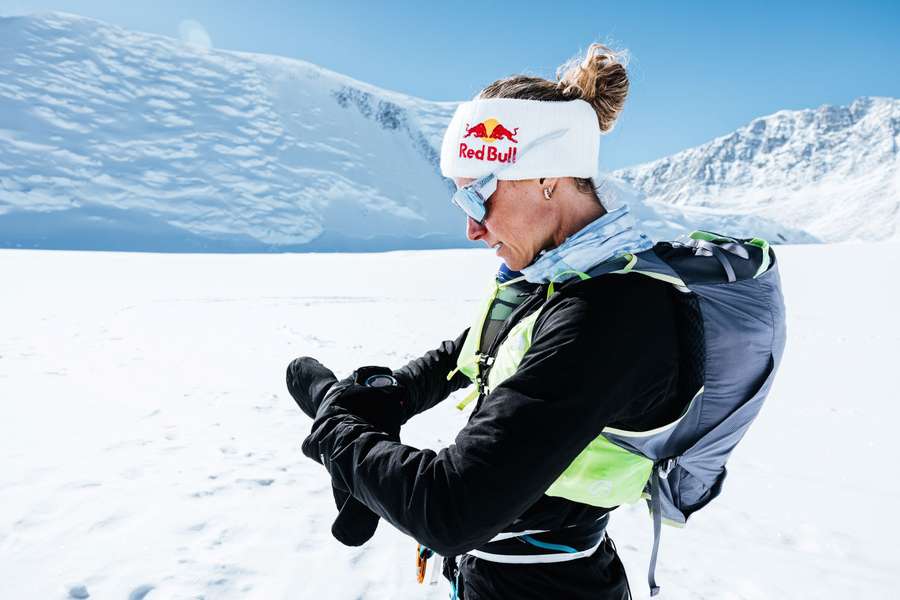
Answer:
x=453 y=586
x=548 y=546
x=657 y=528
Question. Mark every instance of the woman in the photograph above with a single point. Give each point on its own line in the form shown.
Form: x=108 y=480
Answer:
x=549 y=372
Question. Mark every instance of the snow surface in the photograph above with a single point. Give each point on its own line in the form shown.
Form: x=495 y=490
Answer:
x=150 y=449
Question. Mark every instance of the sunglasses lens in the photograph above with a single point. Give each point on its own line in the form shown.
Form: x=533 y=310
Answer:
x=471 y=203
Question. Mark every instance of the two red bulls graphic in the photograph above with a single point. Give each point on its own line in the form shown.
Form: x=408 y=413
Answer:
x=498 y=133
x=490 y=153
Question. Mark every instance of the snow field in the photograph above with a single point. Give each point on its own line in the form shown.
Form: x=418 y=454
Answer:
x=150 y=449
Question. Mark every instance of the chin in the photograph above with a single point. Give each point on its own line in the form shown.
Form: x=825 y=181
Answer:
x=515 y=265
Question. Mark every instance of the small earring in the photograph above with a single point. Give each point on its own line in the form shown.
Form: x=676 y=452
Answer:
x=547 y=193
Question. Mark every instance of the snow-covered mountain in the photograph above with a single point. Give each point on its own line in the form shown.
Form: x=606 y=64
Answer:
x=116 y=139
x=833 y=172
x=111 y=139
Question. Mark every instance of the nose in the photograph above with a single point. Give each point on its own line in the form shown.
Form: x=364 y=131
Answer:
x=474 y=229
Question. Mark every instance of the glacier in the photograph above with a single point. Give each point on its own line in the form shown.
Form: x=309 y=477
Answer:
x=117 y=140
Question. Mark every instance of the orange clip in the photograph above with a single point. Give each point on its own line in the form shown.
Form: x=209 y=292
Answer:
x=422 y=555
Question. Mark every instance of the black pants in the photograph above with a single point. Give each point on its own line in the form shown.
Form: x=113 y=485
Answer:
x=600 y=576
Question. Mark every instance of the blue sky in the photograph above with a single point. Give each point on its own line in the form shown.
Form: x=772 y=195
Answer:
x=699 y=69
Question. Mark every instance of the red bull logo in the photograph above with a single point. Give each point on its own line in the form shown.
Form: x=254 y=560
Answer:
x=489 y=131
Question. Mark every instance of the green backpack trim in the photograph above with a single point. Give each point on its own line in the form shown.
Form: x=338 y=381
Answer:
x=603 y=474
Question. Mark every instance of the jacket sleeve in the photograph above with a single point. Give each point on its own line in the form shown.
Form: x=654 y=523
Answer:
x=586 y=364
x=425 y=378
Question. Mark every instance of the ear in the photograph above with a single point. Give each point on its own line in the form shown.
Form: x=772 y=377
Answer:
x=548 y=183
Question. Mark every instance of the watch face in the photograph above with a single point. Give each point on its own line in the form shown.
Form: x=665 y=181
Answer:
x=380 y=381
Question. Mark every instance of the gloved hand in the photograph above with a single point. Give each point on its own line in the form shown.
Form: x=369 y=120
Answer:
x=308 y=381
x=356 y=523
x=370 y=393
x=380 y=405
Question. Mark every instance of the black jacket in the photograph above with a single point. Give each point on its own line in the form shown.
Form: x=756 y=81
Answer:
x=604 y=352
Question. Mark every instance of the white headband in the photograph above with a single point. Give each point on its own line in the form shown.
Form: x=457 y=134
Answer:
x=498 y=133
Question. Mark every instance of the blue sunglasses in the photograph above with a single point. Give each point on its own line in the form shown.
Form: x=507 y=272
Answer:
x=472 y=197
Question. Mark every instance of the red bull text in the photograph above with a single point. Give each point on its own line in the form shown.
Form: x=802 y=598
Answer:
x=490 y=131
x=491 y=153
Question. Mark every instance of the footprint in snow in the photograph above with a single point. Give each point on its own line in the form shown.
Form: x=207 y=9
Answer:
x=140 y=592
x=256 y=482
x=209 y=492
x=79 y=591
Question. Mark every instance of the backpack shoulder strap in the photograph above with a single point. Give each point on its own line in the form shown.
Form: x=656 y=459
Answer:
x=646 y=263
x=660 y=469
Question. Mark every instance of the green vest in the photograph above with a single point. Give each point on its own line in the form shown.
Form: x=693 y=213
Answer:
x=603 y=474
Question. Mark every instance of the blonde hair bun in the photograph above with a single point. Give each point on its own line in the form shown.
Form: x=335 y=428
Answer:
x=600 y=78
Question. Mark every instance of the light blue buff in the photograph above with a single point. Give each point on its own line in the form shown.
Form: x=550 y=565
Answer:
x=613 y=234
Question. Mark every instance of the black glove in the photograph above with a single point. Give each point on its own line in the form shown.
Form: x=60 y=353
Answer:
x=308 y=381
x=356 y=523
x=381 y=404
x=372 y=394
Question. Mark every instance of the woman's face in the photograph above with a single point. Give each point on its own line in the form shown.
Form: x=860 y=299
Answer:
x=519 y=222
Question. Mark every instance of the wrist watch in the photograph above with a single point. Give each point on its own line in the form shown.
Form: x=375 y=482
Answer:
x=375 y=377
x=380 y=381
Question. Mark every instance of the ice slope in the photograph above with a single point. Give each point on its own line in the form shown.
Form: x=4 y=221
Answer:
x=112 y=139
x=116 y=139
x=151 y=451
x=833 y=172
x=663 y=221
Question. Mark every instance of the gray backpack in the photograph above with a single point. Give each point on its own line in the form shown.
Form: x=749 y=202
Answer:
x=731 y=324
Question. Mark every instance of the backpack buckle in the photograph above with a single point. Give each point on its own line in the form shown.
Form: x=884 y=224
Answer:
x=485 y=360
x=665 y=467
